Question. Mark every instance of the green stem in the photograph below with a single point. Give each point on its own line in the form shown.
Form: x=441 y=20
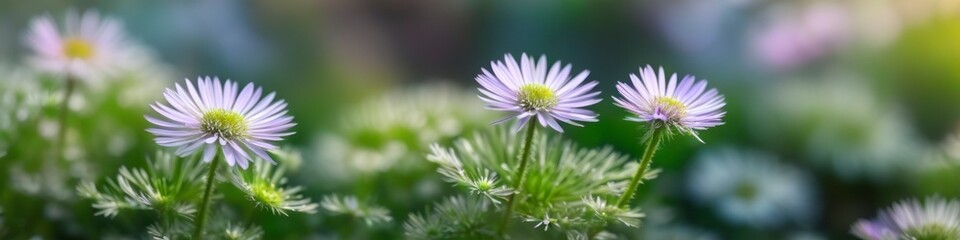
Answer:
x=205 y=202
x=518 y=184
x=592 y=232
x=62 y=121
x=652 y=144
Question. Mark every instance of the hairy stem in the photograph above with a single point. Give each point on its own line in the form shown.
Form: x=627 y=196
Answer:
x=62 y=121
x=205 y=202
x=652 y=145
x=524 y=158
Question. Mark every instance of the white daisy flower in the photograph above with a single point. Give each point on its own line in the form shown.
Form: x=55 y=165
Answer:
x=841 y=126
x=87 y=46
x=214 y=116
x=751 y=188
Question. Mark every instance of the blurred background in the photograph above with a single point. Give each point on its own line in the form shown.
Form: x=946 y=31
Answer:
x=836 y=109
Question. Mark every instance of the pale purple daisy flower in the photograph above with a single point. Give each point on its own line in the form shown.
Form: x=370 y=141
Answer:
x=529 y=89
x=88 y=46
x=935 y=218
x=684 y=106
x=213 y=115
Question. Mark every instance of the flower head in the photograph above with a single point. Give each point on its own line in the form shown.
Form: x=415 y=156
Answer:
x=842 y=126
x=87 y=46
x=684 y=106
x=528 y=90
x=934 y=218
x=751 y=188
x=629 y=217
x=214 y=116
x=265 y=186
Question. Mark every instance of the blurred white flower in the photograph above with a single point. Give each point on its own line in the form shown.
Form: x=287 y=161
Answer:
x=751 y=188
x=21 y=103
x=841 y=126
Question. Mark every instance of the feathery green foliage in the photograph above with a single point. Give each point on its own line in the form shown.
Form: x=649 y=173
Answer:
x=350 y=205
x=171 y=187
x=168 y=187
x=567 y=187
x=458 y=217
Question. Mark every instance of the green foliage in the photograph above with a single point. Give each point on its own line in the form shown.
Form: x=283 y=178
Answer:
x=171 y=187
x=168 y=186
x=458 y=217
x=389 y=133
x=566 y=187
x=350 y=205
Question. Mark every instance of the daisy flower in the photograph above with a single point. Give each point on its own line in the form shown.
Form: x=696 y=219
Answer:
x=842 y=126
x=530 y=90
x=751 y=188
x=213 y=116
x=684 y=106
x=934 y=218
x=88 y=45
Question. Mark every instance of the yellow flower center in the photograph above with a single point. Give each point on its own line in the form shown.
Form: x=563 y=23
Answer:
x=226 y=123
x=75 y=48
x=746 y=191
x=932 y=231
x=537 y=97
x=673 y=108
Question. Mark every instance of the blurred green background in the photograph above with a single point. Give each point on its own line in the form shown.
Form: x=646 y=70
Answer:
x=860 y=96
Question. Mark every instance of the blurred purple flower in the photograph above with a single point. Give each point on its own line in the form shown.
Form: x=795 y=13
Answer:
x=877 y=229
x=793 y=39
x=697 y=27
x=529 y=90
x=684 y=107
x=212 y=113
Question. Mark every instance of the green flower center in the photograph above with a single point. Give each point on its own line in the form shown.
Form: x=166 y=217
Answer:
x=266 y=194
x=933 y=231
x=75 y=48
x=484 y=185
x=746 y=191
x=673 y=108
x=226 y=123
x=537 y=97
